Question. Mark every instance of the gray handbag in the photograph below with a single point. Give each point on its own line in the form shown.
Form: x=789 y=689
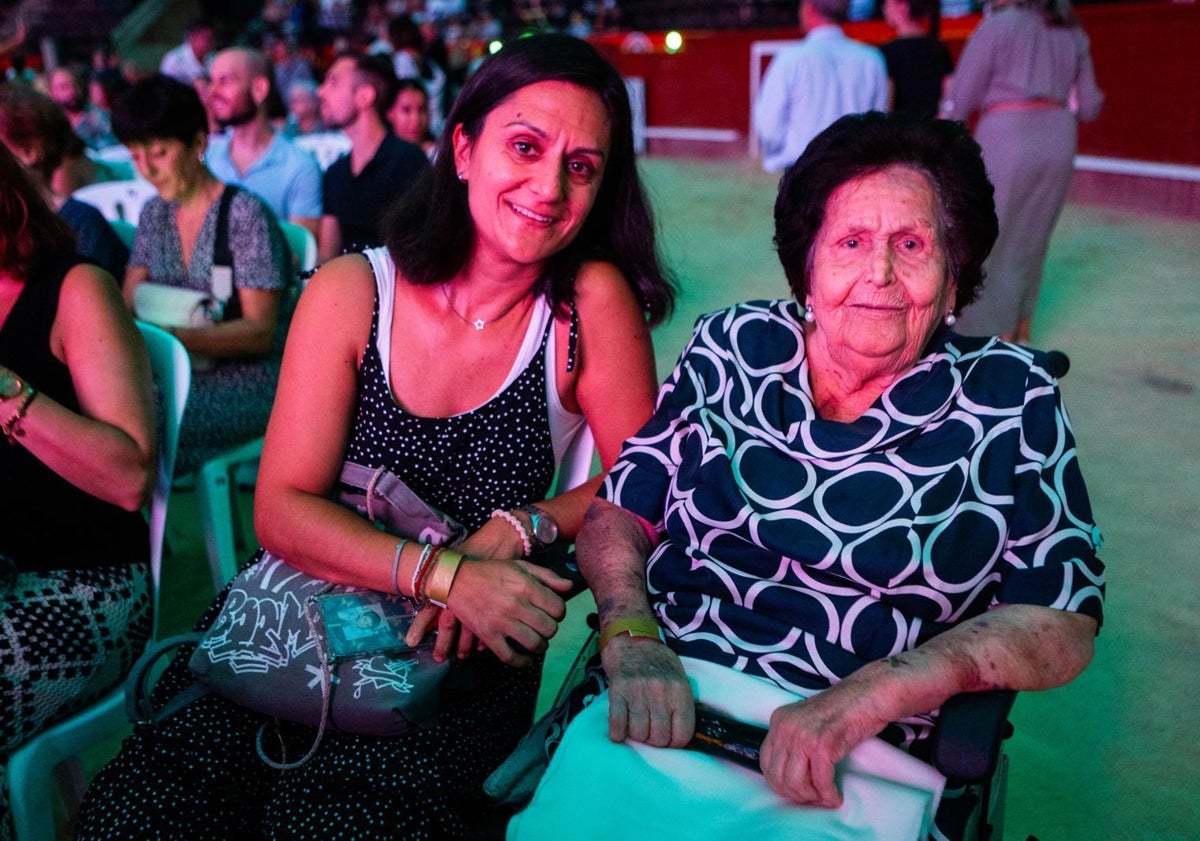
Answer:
x=298 y=648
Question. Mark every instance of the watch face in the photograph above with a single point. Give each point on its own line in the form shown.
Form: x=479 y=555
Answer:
x=545 y=529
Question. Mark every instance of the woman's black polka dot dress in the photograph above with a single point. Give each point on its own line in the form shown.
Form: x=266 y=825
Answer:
x=197 y=775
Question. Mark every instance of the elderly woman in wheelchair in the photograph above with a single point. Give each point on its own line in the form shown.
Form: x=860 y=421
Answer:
x=841 y=514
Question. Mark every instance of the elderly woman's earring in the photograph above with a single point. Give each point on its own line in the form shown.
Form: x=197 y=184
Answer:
x=808 y=314
x=950 y=319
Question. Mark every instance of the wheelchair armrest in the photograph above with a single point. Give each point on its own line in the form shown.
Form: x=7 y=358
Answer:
x=965 y=743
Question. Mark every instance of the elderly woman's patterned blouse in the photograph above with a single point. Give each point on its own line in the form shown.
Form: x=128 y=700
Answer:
x=799 y=549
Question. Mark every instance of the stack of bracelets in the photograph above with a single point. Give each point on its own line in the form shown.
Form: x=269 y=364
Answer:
x=433 y=575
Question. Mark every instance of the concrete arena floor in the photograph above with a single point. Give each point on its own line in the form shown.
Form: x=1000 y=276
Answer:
x=1113 y=755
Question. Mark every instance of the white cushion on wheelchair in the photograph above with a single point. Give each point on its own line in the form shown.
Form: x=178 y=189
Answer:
x=595 y=789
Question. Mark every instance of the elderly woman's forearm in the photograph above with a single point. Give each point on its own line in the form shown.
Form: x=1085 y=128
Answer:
x=1020 y=647
x=612 y=548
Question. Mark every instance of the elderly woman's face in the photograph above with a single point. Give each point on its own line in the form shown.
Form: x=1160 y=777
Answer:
x=878 y=284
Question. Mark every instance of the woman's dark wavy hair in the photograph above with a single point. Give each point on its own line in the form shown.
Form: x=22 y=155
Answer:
x=31 y=120
x=863 y=144
x=430 y=232
x=31 y=230
x=159 y=108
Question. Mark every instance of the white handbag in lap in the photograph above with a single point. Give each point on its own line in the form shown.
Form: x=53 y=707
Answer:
x=173 y=306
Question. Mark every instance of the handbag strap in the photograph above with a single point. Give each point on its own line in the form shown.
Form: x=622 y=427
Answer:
x=326 y=698
x=139 y=706
x=222 y=253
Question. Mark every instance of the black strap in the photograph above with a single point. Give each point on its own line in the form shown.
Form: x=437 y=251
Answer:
x=222 y=254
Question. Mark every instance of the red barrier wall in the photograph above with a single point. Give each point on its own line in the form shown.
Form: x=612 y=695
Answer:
x=1147 y=58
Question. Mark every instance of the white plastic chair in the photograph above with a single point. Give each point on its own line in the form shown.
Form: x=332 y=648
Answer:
x=216 y=486
x=34 y=766
x=325 y=146
x=117 y=199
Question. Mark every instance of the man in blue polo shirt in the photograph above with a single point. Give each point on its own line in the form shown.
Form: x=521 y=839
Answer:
x=252 y=154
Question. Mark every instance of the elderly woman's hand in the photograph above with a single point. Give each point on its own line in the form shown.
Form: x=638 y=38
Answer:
x=649 y=697
x=807 y=739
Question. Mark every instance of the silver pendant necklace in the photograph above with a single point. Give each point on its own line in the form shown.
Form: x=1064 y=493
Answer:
x=478 y=323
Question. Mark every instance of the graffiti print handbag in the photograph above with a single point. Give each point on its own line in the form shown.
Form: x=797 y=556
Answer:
x=298 y=648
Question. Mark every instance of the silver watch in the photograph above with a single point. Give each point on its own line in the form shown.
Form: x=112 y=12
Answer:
x=543 y=528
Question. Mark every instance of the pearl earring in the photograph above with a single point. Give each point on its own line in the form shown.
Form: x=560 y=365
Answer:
x=950 y=319
x=462 y=176
x=808 y=314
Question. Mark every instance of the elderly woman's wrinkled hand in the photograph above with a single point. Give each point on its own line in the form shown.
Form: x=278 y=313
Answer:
x=805 y=740
x=650 y=699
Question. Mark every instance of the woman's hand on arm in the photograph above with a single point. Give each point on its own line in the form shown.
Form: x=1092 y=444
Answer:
x=1021 y=647
x=501 y=602
x=650 y=699
x=108 y=448
x=512 y=607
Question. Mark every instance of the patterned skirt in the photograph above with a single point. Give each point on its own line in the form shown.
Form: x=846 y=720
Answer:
x=67 y=638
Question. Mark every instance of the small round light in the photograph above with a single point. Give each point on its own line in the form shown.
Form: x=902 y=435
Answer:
x=674 y=41
x=494 y=47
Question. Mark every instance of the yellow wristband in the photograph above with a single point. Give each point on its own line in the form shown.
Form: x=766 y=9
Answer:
x=441 y=578
x=646 y=628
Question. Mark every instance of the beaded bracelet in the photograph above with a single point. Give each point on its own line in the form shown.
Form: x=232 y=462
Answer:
x=526 y=541
x=396 y=565
x=420 y=569
x=12 y=426
x=442 y=577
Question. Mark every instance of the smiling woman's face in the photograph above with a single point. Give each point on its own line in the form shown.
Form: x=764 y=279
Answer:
x=878 y=284
x=533 y=173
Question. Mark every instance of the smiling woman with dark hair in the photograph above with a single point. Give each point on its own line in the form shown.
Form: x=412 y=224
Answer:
x=466 y=358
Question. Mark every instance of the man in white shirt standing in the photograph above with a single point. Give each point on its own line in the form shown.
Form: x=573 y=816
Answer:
x=189 y=61
x=252 y=154
x=813 y=83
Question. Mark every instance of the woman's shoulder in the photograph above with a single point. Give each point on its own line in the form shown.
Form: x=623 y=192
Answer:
x=600 y=286
x=995 y=360
x=343 y=281
x=85 y=287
